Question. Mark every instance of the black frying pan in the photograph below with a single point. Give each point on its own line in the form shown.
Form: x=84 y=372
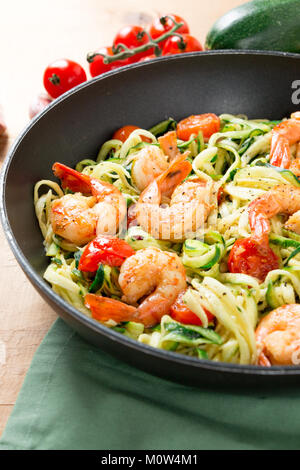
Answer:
x=260 y=85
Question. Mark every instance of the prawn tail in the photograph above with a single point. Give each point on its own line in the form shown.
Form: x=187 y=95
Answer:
x=168 y=143
x=263 y=360
x=280 y=154
x=104 y=309
x=72 y=179
x=259 y=224
x=179 y=169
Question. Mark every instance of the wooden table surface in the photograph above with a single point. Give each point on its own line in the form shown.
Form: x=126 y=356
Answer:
x=33 y=33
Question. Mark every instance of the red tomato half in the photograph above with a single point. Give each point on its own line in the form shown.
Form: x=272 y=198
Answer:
x=249 y=257
x=207 y=123
x=181 y=313
x=62 y=75
x=163 y=24
x=176 y=45
x=107 y=250
x=124 y=132
x=97 y=66
x=132 y=37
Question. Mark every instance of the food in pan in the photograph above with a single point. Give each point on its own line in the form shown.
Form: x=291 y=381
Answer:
x=185 y=237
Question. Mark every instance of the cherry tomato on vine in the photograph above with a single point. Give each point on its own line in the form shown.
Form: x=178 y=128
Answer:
x=181 y=313
x=163 y=24
x=249 y=257
x=207 y=123
x=97 y=66
x=124 y=132
x=62 y=75
x=132 y=37
x=177 y=45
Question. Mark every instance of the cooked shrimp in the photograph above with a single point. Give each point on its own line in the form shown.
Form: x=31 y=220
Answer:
x=189 y=206
x=151 y=272
x=284 y=135
x=148 y=163
x=283 y=199
x=74 y=218
x=79 y=219
x=152 y=161
x=278 y=336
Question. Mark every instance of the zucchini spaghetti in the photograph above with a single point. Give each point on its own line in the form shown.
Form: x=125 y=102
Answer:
x=231 y=269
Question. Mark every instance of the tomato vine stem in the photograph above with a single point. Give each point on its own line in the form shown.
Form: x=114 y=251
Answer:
x=121 y=52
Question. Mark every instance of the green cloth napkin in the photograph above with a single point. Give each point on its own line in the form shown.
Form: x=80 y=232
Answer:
x=77 y=397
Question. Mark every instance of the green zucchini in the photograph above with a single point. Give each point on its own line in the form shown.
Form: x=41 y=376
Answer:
x=77 y=256
x=133 y=330
x=195 y=247
x=87 y=162
x=202 y=354
x=191 y=334
x=171 y=345
x=290 y=234
x=203 y=258
x=264 y=179
x=289 y=176
x=283 y=242
x=77 y=274
x=249 y=141
x=199 y=255
x=52 y=250
x=293 y=254
x=162 y=127
x=271 y=296
x=215 y=259
x=115 y=160
x=260 y=24
x=119 y=329
x=98 y=281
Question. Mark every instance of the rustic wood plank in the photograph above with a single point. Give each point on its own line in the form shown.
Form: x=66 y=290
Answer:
x=31 y=42
x=5 y=411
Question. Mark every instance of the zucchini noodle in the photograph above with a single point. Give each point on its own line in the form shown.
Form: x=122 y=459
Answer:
x=234 y=163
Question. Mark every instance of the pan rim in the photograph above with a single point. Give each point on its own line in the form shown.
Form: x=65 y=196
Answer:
x=42 y=285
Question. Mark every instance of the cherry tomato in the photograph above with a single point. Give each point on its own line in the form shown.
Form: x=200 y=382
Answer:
x=163 y=24
x=176 y=45
x=181 y=313
x=124 y=132
x=107 y=250
x=132 y=37
x=249 y=257
x=97 y=66
x=62 y=75
x=208 y=124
